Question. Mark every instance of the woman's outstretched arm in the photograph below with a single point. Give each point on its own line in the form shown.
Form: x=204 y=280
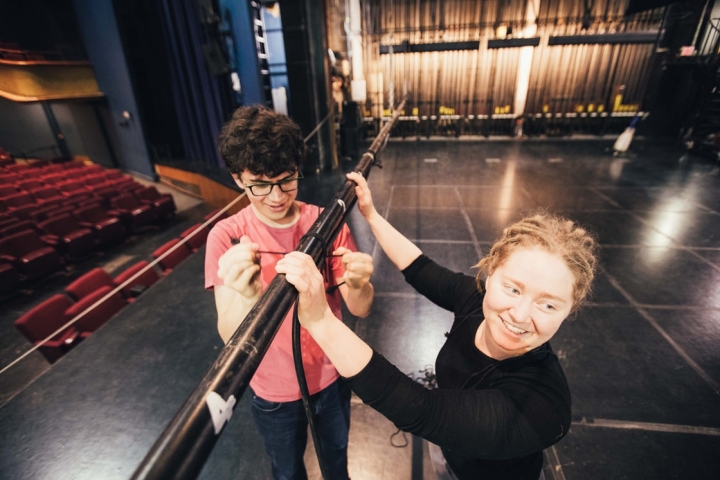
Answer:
x=399 y=249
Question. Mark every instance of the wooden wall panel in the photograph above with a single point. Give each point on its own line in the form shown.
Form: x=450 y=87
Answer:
x=212 y=192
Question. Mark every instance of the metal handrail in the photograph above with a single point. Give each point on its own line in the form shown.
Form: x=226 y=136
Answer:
x=119 y=288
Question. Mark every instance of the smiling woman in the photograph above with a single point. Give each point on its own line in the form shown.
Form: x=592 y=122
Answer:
x=502 y=396
x=526 y=300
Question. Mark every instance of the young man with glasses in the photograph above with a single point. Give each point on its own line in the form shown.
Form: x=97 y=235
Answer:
x=263 y=151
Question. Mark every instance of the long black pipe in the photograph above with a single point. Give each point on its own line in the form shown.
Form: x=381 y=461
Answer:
x=184 y=446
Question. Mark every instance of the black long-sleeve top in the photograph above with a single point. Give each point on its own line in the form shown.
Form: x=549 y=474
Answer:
x=491 y=418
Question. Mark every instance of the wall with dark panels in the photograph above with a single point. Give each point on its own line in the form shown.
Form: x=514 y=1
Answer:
x=102 y=41
x=83 y=134
x=25 y=131
x=24 y=127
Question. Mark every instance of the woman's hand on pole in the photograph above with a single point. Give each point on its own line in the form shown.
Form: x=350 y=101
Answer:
x=401 y=251
x=300 y=271
x=365 y=201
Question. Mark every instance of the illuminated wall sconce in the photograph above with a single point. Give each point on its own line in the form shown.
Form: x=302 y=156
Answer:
x=127 y=118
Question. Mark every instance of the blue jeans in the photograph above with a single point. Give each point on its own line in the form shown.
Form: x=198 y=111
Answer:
x=283 y=427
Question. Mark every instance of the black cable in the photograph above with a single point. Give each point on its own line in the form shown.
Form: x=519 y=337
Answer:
x=307 y=402
x=300 y=370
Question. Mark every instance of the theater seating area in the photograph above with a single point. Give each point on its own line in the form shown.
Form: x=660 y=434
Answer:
x=92 y=297
x=58 y=211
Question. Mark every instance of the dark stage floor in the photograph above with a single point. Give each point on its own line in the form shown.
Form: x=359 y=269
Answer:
x=642 y=359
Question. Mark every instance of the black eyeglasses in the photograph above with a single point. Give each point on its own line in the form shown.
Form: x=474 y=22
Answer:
x=286 y=185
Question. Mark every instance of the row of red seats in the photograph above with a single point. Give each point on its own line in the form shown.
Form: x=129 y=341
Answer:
x=51 y=208
x=19 y=196
x=30 y=250
x=95 y=285
x=52 y=314
x=137 y=206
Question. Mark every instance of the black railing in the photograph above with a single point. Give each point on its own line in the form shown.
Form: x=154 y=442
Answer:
x=186 y=443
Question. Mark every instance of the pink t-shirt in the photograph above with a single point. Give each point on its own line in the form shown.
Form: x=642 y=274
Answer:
x=275 y=378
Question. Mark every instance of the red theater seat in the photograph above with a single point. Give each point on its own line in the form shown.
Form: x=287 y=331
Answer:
x=50 y=169
x=20 y=205
x=43 y=320
x=24 y=212
x=48 y=211
x=18 y=227
x=174 y=258
x=64 y=233
x=73 y=187
x=79 y=198
x=105 y=194
x=117 y=177
x=9 y=277
x=163 y=203
x=107 y=228
x=96 y=181
x=7 y=190
x=8 y=221
x=30 y=185
x=93 y=168
x=129 y=187
x=144 y=280
x=100 y=314
x=71 y=165
x=29 y=255
x=47 y=195
x=199 y=239
x=134 y=214
x=9 y=179
x=16 y=167
x=53 y=178
x=18 y=200
x=88 y=283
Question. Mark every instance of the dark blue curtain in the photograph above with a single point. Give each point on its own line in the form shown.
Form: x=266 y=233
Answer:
x=203 y=101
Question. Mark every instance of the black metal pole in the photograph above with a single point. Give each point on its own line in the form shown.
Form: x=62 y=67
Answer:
x=186 y=443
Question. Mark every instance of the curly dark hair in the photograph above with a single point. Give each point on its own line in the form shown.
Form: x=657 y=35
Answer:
x=261 y=141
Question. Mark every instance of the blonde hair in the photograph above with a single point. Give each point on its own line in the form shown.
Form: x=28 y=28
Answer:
x=557 y=235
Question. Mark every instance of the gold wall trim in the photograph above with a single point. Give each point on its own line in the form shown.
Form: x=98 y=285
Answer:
x=40 y=82
x=5 y=61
